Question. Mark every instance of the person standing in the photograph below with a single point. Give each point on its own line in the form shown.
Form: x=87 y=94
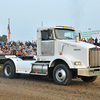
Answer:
x=14 y=51
x=96 y=41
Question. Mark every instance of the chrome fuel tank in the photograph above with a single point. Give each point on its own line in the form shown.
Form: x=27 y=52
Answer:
x=40 y=68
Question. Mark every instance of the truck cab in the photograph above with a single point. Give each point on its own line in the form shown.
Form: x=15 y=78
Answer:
x=60 y=55
x=50 y=39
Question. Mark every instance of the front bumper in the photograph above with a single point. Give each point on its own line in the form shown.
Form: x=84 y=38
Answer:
x=89 y=72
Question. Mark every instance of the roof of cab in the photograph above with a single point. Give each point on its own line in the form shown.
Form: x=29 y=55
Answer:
x=64 y=27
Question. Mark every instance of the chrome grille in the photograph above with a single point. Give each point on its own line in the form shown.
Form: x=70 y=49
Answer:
x=94 y=59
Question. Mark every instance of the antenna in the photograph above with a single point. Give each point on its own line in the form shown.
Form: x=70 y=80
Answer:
x=42 y=23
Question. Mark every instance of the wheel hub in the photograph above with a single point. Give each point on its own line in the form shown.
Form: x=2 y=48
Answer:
x=7 y=70
x=60 y=75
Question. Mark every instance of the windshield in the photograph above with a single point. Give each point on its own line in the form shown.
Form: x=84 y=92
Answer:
x=64 y=34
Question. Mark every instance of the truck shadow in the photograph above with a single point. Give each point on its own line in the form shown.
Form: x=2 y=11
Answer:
x=37 y=78
x=45 y=79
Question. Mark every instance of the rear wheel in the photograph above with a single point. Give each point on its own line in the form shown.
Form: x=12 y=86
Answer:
x=62 y=75
x=89 y=79
x=9 y=70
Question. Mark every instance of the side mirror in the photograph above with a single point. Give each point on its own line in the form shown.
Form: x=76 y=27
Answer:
x=77 y=39
x=79 y=36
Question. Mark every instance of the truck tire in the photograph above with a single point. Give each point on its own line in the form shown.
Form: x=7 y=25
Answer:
x=89 y=79
x=9 y=70
x=62 y=75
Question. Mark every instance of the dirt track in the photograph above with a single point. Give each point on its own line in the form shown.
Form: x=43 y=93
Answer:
x=40 y=88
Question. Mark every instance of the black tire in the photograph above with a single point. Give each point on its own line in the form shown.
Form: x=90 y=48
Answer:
x=9 y=70
x=89 y=79
x=62 y=75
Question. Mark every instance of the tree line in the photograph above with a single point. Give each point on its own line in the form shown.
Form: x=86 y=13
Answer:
x=3 y=38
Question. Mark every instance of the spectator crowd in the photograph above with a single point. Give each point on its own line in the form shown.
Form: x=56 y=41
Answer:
x=30 y=48
x=19 y=48
x=91 y=41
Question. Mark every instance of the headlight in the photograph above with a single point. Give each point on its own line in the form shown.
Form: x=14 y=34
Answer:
x=77 y=63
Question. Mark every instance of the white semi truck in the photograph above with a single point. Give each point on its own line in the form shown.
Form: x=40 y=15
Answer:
x=60 y=55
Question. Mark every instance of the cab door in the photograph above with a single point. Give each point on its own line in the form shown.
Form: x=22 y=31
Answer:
x=47 y=43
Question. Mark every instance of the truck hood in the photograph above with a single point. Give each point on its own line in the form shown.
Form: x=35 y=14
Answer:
x=76 y=51
x=79 y=44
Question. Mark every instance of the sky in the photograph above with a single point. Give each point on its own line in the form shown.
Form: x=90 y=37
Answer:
x=27 y=15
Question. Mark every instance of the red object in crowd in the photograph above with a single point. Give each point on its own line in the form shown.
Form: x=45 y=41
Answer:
x=19 y=52
x=5 y=51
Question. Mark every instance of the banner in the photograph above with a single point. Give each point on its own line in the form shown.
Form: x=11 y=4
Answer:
x=89 y=34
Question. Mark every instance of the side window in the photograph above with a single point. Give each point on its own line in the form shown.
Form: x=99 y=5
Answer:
x=47 y=35
x=44 y=35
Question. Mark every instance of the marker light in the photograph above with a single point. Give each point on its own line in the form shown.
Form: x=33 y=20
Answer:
x=66 y=26
x=61 y=26
x=36 y=72
x=60 y=53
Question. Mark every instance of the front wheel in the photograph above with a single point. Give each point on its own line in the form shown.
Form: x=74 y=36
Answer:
x=89 y=79
x=62 y=75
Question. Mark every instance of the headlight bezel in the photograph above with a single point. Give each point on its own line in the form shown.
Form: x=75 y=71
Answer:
x=77 y=63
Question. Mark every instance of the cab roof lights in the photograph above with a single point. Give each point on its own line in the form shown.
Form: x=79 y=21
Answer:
x=66 y=26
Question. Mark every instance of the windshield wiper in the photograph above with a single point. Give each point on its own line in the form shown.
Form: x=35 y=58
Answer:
x=68 y=38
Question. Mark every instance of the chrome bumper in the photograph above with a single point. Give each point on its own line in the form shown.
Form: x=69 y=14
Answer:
x=89 y=72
